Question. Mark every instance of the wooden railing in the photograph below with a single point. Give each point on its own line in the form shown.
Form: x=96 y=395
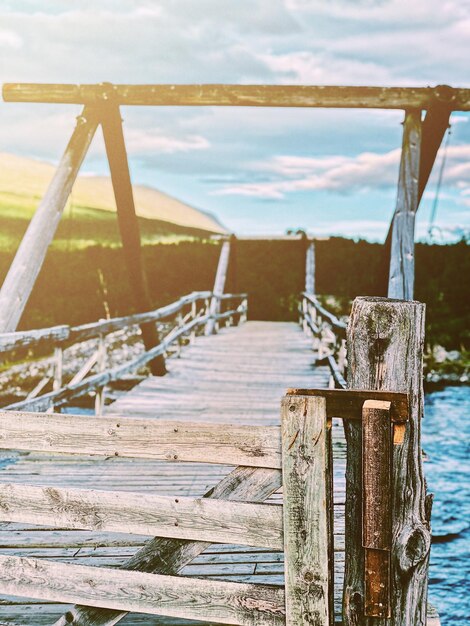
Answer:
x=296 y=456
x=329 y=336
x=189 y=313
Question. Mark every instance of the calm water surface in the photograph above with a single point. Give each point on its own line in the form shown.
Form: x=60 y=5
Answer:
x=446 y=441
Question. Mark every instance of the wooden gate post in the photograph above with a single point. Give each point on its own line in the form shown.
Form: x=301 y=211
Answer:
x=24 y=270
x=308 y=538
x=385 y=351
x=128 y=224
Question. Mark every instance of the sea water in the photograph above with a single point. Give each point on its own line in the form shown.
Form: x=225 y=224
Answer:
x=446 y=443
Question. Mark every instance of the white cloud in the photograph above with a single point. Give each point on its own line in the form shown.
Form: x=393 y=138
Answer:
x=144 y=142
x=10 y=39
x=368 y=170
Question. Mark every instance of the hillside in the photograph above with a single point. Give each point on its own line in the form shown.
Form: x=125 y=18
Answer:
x=89 y=218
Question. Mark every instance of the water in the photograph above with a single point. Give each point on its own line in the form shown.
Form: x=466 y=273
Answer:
x=446 y=441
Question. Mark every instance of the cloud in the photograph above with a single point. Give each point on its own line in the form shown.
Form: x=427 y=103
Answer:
x=10 y=39
x=143 y=142
x=368 y=170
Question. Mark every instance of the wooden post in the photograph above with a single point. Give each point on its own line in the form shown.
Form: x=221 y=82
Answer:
x=219 y=285
x=24 y=270
x=307 y=508
x=310 y=268
x=401 y=274
x=385 y=350
x=128 y=224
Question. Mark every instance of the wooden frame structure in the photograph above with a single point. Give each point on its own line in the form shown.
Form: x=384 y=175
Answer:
x=102 y=102
x=386 y=573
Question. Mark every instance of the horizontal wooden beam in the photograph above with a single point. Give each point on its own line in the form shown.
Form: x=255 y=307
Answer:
x=241 y=95
x=153 y=594
x=348 y=403
x=255 y=446
x=198 y=519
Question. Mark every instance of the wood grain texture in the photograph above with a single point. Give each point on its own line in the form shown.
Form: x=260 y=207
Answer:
x=401 y=273
x=348 y=404
x=307 y=502
x=21 y=277
x=224 y=602
x=385 y=348
x=133 y=437
x=241 y=95
x=169 y=556
x=377 y=506
x=199 y=519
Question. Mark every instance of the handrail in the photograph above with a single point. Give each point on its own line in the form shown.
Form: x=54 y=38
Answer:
x=60 y=335
x=336 y=323
x=60 y=397
x=330 y=336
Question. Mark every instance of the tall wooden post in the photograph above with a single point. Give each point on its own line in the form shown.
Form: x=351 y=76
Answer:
x=128 y=224
x=385 y=351
x=24 y=270
x=219 y=285
x=310 y=268
x=306 y=456
x=401 y=274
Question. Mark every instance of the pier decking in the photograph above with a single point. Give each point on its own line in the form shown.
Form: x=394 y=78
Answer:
x=237 y=376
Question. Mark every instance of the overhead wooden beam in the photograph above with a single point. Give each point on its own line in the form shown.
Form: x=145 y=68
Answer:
x=242 y=95
x=128 y=224
x=24 y=270
x=401 y=273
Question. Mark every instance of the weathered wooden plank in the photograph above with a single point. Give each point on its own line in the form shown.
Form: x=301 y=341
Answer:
x=241 y=95
x=385 y=347
x=256 y=446
x=30 y=255
x=401 y=274
x=307 y=502
x=225 y=602
x=200 y=519
x=169 y=556
x=219 y=285
x=377 y=506
x=348 y=403
x=113 y=134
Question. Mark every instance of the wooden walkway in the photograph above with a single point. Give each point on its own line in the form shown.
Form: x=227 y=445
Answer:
x=237 y=376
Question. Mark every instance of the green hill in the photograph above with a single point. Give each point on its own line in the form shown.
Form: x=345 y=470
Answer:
x=90 y=215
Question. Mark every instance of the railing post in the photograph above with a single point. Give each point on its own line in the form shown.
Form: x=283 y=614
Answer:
x=101 y=363
x=310 y=268
x=306 y=474
x=219 y=285
x=385 y=350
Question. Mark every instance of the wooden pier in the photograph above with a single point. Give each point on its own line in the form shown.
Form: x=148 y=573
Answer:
x=136 y=514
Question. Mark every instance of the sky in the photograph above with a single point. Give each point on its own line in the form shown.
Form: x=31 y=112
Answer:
x=260 y=171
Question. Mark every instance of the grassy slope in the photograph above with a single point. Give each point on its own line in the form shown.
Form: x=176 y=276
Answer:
x=90 y=216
